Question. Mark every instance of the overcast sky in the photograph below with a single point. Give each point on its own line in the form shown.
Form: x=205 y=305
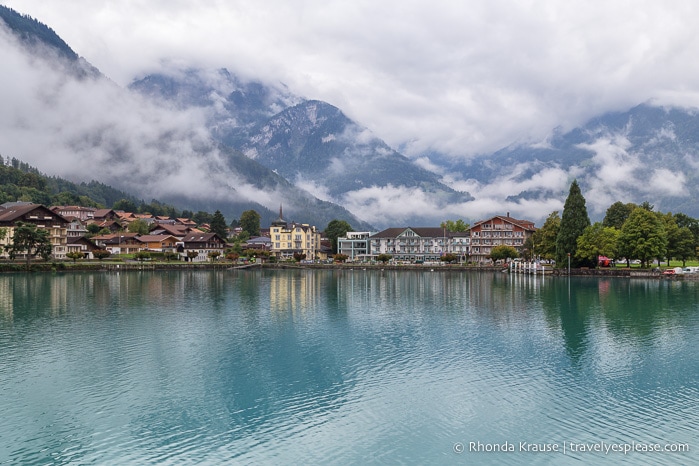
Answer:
x=457 y=77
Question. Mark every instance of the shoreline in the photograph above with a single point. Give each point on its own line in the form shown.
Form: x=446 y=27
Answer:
x=17 y=267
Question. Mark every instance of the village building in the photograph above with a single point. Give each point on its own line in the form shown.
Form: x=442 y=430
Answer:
x=101 y=215
x=159 y=243
x=178 y=230
x=57 y=226
x=203 y=244
x=261 y=243
x=119 y=243
x=83 y=245
x=82 y=213
x=76 y=227
x=355 y=245
x=294 y=238
x=411 y=244
x=496 y=231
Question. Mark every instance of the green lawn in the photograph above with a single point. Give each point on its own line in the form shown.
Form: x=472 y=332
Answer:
x=673 y=263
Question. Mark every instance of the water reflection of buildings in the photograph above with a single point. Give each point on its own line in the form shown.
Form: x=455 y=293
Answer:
x=33 y=293
x=6 y=299
x=296 y=292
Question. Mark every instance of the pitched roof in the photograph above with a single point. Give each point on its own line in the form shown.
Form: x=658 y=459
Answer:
x=83 y=240
x=155 y=238
x=115 y=238
x=196 y=237
x=14 y=211
x=526 y=224
x=174 y=230
x=423 y=232
x=101 y=213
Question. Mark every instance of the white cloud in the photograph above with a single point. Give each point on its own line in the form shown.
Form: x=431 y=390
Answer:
x=460 y=78
x=92 y=129
x=665 y=182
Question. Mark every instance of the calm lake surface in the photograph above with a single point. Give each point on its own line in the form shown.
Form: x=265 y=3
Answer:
x=346 y=367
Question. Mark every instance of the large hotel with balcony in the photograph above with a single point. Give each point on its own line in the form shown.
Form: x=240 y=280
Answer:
x=496 y=231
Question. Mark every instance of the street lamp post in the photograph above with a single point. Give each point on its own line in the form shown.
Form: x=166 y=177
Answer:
x=568 y=263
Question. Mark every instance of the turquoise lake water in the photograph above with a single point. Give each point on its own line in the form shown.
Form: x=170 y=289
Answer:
x=346 y=367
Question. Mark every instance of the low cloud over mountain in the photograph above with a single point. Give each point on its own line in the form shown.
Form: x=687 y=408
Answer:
x=210 y=139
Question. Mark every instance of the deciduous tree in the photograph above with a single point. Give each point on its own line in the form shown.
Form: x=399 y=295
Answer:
x=458 y=225
x=683 y=245
x=617 y=214
x=30 y=241
x=503 y=252
x=642 y=236
x=545 y=237
x=75 y=255
x=141 y=256
x=336 y=229
x=597 y=240
x=250 y=223
x=139 y=226
x=384 y=258
x=101 y=254
x=449 y=257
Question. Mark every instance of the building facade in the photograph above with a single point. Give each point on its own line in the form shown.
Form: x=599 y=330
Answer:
x=355 y=245
x=292 y=238
x=203 y=244
x=417 y=245
x=39 y=215
x=497 y=231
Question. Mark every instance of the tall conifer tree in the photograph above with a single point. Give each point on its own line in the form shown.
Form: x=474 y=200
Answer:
x=573 y=222
x=218 y=225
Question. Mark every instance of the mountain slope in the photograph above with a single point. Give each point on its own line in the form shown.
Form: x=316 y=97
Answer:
x=61 y=115
x=312 y=144
x=647 y=153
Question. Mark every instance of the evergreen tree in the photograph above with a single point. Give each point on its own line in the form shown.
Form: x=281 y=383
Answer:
x=573 y=222
x=218 y=225
x=202 y=217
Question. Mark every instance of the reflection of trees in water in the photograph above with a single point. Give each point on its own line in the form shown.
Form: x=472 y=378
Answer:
x=632 y=310
x=567 y=302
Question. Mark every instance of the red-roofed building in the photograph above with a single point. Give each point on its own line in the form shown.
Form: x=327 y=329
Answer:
x=496 y=231
x=160 y=243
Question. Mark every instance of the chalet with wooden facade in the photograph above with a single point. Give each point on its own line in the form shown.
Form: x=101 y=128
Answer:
x=57 y=226
x=496 y=231
x=201 y=243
